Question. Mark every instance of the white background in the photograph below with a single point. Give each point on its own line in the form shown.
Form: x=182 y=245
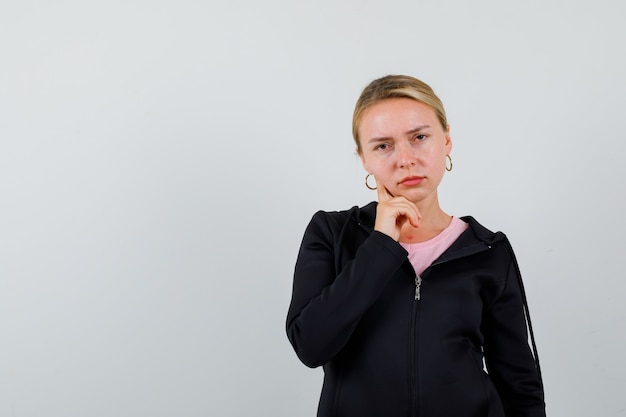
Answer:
x=159 y=161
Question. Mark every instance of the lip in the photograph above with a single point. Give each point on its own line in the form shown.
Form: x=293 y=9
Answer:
x=410 y=181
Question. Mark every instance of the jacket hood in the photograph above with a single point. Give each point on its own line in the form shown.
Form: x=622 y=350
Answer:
x=366 y=216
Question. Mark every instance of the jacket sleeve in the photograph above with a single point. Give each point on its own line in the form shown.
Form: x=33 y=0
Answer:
x=326 y=303
x=510 y=362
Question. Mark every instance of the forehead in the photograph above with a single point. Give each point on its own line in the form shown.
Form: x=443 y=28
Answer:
x=396 y=114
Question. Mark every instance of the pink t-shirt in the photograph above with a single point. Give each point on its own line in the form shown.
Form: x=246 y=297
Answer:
x=422 y=254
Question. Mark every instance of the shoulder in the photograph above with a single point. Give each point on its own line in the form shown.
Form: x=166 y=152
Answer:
x=481 y=233
x=363 y=216
x=499 y=246
x=342 y=227
x=343 y=232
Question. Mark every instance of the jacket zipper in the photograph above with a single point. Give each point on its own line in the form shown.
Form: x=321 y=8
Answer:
x=414 y=335
x=418 y=286
x=413 y=351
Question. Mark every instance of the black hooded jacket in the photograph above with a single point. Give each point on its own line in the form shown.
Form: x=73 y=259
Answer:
x=457 y=347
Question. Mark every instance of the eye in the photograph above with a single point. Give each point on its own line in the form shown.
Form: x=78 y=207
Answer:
x=382 y=147
x=419 y=137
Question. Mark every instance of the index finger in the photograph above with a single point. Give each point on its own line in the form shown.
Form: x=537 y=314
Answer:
x=383 y=193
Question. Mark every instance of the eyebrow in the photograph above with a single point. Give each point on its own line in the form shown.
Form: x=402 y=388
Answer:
x=379 y=139
x=418 y=129
x=408 y=132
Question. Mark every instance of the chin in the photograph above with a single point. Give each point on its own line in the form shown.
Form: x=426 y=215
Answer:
x=412 y=195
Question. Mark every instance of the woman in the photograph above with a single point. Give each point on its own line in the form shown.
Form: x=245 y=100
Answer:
x=411 y=312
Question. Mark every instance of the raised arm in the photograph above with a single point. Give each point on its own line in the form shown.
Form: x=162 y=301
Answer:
x=329 y=299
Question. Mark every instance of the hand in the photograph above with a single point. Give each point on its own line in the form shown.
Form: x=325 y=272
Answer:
x=393 y=213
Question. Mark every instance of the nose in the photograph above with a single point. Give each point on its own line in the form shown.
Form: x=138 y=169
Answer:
x=406 y=156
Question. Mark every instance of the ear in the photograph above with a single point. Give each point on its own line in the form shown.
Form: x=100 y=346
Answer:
x=448 y=141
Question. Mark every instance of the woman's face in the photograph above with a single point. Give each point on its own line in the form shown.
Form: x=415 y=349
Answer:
x=404 y=146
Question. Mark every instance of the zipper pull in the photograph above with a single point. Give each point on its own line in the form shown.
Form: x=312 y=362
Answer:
x=418 y=285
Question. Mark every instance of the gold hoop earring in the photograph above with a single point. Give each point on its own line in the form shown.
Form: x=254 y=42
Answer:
x=448 y=166
x=367 y=177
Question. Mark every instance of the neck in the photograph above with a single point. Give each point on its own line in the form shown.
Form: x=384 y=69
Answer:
x=434 y=220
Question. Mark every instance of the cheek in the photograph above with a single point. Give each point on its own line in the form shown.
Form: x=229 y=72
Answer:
x=437 y=157
x=371 y=163
x=377 y=168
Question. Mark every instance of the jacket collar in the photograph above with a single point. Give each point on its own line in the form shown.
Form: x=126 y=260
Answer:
x=366 y=215
x=476 y=233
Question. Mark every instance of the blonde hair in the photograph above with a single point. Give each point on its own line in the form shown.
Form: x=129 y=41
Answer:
x=396 y=86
